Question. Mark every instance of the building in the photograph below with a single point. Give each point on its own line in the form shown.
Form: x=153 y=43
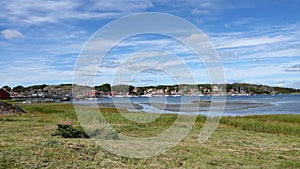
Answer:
x=4 y=94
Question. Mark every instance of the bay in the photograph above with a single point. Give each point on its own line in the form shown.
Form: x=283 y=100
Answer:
x=234 y=105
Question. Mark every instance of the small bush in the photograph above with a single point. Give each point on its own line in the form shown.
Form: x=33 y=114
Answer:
x=68 y=131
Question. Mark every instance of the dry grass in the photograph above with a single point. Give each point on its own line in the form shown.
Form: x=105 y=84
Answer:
x=26 y=142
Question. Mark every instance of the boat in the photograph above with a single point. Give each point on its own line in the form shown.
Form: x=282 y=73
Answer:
x=66 y=99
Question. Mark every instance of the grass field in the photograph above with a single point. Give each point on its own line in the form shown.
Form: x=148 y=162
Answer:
x=26 y=141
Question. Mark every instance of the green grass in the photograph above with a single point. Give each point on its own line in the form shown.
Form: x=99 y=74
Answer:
x=276 y=124
x=26 y=141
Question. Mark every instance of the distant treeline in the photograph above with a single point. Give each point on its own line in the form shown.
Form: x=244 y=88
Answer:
x=21 y=88
x=235 y=87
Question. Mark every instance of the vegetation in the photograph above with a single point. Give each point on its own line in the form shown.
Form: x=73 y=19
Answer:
x=27 y=141
x=68 y=131
x=107 y=88
x=286 y=90
x=19 y=89
x=275 y=124
x=6 y=87
x=23 y=89
x=122 y=88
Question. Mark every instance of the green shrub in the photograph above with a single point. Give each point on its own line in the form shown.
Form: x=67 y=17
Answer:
x=68 y=131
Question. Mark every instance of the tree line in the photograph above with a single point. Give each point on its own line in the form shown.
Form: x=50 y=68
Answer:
x=106 y=88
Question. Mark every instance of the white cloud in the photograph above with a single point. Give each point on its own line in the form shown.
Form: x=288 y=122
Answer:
x=280 y=84
x=292 y=68
x=195 y=38
x=121 y=5
x=57 y=45
x=49 y=11
x=39 y=71
x=210 y=8
x=199 y=11
x=262 y=42
x=292 y=52
x=267 y=55
x=233 y=42
x=227 y=26
x=246 y=21
x=11 y=34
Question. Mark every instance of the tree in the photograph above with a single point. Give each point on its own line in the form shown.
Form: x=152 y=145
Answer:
x=123 y=88
x=19 y=89
x=7 y=88
x=105 y=88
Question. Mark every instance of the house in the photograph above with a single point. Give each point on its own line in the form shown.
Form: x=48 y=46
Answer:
x=4 y=94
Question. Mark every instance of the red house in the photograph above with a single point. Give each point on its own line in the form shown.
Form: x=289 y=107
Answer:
x=4 y=94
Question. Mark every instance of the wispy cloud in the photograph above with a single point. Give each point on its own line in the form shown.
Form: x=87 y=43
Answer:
x=292 y=68
x=199 y=12
x=49 y=11
x=252 y=49
x=28 y=71
x=11 y=34
x=249 y=41
x=277 y=41
x=247 y=21
x=121 y=5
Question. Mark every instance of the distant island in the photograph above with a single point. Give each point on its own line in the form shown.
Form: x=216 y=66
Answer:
x=65 y=92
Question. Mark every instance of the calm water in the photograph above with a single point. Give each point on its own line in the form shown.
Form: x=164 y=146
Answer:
x=279 y=104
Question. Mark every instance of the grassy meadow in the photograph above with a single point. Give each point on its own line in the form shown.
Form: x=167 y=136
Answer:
x=27 y=141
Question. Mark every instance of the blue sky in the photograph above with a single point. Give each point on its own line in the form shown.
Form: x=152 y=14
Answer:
x=257 y=41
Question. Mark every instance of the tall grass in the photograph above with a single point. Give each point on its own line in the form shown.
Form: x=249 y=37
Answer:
x=277 y=124
x=51 y=112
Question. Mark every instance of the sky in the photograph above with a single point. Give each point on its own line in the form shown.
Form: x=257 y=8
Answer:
x=257 y=41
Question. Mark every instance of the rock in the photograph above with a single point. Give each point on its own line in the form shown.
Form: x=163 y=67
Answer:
x=6 y=108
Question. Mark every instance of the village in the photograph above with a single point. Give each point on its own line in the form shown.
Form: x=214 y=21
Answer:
x=68 y=92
